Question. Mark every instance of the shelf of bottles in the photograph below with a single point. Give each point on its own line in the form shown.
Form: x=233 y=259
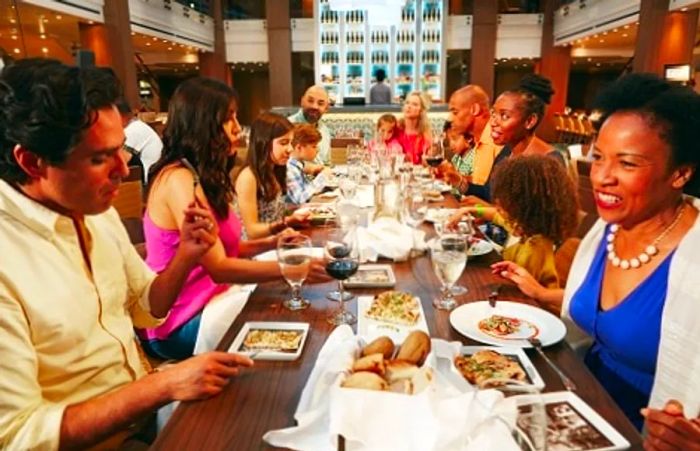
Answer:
x=350 y=51
x=431 y=49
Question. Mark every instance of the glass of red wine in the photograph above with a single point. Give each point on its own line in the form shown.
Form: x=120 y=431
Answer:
x=342 y=261
x=434 y=154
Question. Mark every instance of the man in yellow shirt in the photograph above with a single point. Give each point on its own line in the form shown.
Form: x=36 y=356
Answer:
x=71 y=285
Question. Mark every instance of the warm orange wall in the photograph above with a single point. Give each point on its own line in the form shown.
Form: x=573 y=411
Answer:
x=678 y=39
x=95 y=38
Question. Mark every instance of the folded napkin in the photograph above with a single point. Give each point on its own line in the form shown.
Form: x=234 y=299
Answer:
x=389 y=238
x=443 y=416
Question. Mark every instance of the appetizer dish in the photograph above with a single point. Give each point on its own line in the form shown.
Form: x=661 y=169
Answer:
x=278 y=340
x=502 y=326
x=486 y=365
x=394 y=307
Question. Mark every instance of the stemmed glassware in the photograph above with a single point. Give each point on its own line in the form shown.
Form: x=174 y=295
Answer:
x=416 y=208
x=294 y=258
x=449 y=256
x=434 y=154
x=342 y=260
x=465 y=228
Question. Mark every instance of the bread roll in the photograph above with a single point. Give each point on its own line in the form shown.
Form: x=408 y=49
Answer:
x=373 y=363
x=415 y=348
x=365 y=380
x=399 y=369
x=382 y=345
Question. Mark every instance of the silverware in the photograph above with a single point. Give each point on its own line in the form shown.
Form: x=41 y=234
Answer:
x=568 y=383
x=494 y=295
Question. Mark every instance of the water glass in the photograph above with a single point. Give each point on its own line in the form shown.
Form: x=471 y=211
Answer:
x=294 y=258
x=449 y=257
x=348 y=187
x=416 y=208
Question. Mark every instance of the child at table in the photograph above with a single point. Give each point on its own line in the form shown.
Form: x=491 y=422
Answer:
x=535 y=200
x=386 y=135
x=300 y=186
x=459 y=169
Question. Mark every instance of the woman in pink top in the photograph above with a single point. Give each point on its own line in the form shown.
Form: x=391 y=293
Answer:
x=414 y=133
x=202 y=128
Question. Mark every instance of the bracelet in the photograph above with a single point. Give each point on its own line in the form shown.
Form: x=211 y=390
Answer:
x=479 y=210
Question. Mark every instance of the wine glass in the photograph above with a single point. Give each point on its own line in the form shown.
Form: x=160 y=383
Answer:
x=348 y=187
x=342 y=261
x=449 y=256
x=294 y=258
x=434 y=154
x=530 y=429
x=416 y=208
x=466 y=229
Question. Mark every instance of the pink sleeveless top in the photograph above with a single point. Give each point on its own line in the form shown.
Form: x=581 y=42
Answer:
x=199 y=288
x=413 y=146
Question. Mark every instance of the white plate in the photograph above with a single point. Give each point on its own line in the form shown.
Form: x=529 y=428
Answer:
x=479 y=247
x=369 y=328
x=439 y=214
x=516 y=353
x=366 y=277
x=330 y=194
x=269 y=325
x=318 y=210
x=271 y=255
x=568 y=413
x=547 y=327
x=442 y=187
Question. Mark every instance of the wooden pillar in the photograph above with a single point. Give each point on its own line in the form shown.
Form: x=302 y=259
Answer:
x=111 y=43
x=555 y=64
x=213 y=64
x=678 y=41
x=651 y=19
x=279 y=45
x=484 y=29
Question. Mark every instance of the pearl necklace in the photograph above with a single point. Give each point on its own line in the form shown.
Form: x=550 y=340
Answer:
x=647 y=253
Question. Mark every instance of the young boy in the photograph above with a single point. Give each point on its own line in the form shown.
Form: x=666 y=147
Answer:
x=300 y=188
x=458 y=170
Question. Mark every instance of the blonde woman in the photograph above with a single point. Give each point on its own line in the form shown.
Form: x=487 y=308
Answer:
x=414 y=133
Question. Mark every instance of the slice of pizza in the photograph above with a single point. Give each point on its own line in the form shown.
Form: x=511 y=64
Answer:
x=487 y=365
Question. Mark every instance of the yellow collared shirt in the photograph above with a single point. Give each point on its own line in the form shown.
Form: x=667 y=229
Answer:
x=66 y=327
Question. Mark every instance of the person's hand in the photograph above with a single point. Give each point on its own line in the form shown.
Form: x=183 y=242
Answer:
x=317 y=271
x=272 y=240
x=457 y=217
x=298 y=219
x=203 y=376
x=670 y=430
x=199 y=233
x=520 y=276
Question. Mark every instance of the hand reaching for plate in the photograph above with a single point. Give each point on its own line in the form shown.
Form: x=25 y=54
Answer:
x=520 y=276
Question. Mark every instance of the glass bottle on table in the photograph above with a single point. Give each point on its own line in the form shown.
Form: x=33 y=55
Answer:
x=294 y=258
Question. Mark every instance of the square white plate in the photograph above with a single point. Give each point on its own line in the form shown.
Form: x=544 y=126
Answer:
x=270 y=325
x=369 y=276
x=567 y=413
x=514 y=353
x=369 y=328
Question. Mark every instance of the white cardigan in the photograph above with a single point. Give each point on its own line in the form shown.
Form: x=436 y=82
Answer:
x=678 y=366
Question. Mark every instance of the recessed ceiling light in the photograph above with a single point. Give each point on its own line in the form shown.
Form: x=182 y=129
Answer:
x=44 y=50
x=91 y=22
x=602 y=41
x=597 y=64
x=684 y=9
x=42 y=36
x=14 y=37
x=16 y=51
x=13 y=21
x=170 y=48
x=626 y=27
x=624 y=35
x=59 y=17
x=133 y=33
x=148 y=44
x=590 y=59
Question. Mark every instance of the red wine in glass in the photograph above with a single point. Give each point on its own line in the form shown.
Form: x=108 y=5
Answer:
x=341 y=269
x=433 y=161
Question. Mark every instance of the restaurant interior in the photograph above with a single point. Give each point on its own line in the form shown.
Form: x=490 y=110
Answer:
x=350 y=224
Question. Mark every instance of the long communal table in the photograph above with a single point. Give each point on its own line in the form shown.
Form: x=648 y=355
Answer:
x=265 y=397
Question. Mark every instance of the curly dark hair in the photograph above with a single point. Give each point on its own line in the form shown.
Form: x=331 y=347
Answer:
x=535 y=92
x=537 y=195
x=673 y=110
x=271 y=178
x=195 y=130
x=45 y=106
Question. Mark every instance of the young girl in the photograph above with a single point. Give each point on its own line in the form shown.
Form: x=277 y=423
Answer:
x=262 y=184
x=387 y=127
x=535 y=200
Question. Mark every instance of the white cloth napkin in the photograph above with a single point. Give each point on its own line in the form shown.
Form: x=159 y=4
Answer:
x=389 y=238
x=444 y=416
x=364 y=196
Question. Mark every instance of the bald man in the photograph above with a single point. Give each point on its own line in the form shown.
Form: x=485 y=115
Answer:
x=469 y=116
x=314 y=103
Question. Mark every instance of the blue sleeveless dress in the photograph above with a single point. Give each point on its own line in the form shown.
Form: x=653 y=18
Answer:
x=626 y=337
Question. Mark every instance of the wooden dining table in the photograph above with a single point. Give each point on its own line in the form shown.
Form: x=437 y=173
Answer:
x=265 y=397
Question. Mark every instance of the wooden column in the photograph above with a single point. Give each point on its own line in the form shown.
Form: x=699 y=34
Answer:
x=555 y=64
x=111 y=43
x=651 y=19
x=279 y=45
x=678 y=41
x=213 y=64
x=483 y=52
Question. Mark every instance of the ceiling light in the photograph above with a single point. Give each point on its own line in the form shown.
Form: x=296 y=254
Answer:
x=44 y=50
x=155 y=39
x=684 y=9
x=601 y=41
x=148 y=44
x=170 y=48
x=590 y=59
x=597 y=64
x=133 y=33
x=91 y=22
x=42 y=36
x=59 y=17
x=626 y=27
x=14 y=37
x=615 y=30
x=624 y=35
x=16 y=51
x=13 y=21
